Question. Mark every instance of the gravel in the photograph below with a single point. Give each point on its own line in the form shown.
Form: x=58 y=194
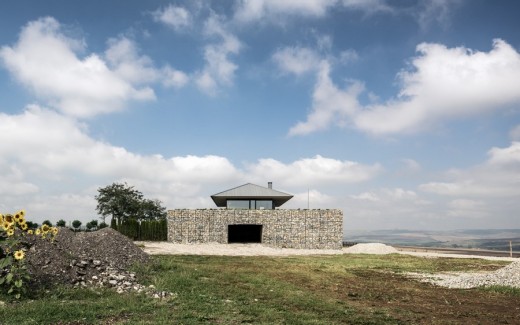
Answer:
x=371 y=248
x=506 y=276
x=100 y=258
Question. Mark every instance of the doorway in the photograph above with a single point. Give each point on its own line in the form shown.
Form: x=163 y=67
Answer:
x=244 y=234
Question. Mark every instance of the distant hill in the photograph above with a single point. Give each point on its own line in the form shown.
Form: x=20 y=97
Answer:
x=494 y=239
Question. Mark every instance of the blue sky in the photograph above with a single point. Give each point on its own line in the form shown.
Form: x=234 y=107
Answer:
x=404 y=114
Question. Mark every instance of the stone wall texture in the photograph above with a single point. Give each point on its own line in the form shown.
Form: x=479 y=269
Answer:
x=283 y=228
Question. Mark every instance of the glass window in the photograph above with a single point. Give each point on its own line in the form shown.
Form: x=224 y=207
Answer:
x=238 y=204
x=264 y=204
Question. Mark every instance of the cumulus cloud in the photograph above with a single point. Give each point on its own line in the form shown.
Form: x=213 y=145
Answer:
x=330 y=105
x=296 y=60
x=315 y=171
x=495 y=178
x=255 y=10
x=42 y=148
x=46 y=61
x=174 y=17
x=124 y=58
x=442 y=84
x=219 y=70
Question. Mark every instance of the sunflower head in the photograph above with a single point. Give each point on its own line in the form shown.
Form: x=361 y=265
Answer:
x=22 y=213
x=10 y=232
x=19 y=255
x=38 y=231
x=24 y=226
x=8 y=218
x=30 y=231
x=45 y=228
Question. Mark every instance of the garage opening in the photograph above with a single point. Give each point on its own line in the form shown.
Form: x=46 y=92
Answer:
x=244 y=234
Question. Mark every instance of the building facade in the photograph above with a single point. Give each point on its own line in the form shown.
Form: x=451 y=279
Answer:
x=251 y=214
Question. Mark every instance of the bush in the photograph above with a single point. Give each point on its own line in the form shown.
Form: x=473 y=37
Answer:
x=149 y=230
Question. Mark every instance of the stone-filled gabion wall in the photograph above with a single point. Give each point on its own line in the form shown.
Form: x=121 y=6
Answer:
x=312 y=229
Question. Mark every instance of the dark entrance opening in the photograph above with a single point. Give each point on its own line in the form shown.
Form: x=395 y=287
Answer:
x=244 y=234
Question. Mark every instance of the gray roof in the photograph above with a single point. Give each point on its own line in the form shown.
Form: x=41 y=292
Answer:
x=251 y=191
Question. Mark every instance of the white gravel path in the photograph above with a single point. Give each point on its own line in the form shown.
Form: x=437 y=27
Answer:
x=166 y=248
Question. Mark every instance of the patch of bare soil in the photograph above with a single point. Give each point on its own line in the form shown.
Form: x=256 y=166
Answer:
x=80 y=257
x=412 y=302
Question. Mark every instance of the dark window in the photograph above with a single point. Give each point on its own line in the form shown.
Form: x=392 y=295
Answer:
x=244 y=234
x=238 y=204
x=249 y=204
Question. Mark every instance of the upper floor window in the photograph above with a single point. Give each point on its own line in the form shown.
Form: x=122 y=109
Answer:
x=250 y=204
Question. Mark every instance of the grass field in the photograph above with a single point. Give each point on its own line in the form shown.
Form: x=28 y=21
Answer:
x=348 y=289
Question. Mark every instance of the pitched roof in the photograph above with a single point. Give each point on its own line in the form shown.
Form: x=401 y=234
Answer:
x=251 y=191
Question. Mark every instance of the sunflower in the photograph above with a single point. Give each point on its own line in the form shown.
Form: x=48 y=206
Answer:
x=22 y=213
x=10 y=232
x=17 y=217
x=8 y=219
x=45 y=228
x=37 y=231
x=30 y=231
x=24 y=226
x=19 y=255
x=54 y=231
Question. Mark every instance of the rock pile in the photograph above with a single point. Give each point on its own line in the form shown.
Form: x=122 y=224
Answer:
x=100 y=258
x=371 y=248
x=506 y=276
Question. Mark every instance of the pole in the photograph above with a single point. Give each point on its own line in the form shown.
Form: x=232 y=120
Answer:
x=308 y=198
x=510 y=248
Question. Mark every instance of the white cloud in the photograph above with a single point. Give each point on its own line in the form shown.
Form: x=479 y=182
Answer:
x=219 y=70
x=314 y=171
x=175 y=17
x=51 y=165
x=254 y=10
x=496 y=178
x=330 y=105
x=296 y=60
x=443 y=84
x=447 y=83
x=272 y=10
x=45 y=61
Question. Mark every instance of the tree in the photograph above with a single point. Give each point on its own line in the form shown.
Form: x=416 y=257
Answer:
x=47 y=222
x=92 y=224
x=123 y=202
x=76 y=224
x=61 y=223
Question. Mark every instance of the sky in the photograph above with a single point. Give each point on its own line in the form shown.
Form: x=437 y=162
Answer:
x=405 y=114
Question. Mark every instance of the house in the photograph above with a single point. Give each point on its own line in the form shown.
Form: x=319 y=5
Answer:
x=251 y=214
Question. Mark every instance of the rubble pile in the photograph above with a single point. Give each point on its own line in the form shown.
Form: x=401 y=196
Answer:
x=100 y=258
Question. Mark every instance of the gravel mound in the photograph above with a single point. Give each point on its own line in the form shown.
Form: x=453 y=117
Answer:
x=371 y=248
x=75 y=258
x=506 y=276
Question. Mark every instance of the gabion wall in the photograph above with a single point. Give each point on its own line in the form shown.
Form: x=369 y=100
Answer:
x=322 y=229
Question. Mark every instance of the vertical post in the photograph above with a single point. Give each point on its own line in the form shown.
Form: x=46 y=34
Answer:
x=308 y=198
x=510 y=248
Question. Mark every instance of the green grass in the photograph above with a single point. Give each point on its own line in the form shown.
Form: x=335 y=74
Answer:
x=352 y=289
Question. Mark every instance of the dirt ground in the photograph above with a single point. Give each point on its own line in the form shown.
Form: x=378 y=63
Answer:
x=404 y=299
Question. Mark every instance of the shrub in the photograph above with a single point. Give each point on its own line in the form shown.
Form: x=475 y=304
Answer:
x=15 y=239
x=61 y=223
x=76 y=224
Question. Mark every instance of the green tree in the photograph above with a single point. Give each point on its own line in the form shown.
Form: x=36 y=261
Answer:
x=123 y=202
x=76 y=224
x=61 y=223
x=47 y=222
